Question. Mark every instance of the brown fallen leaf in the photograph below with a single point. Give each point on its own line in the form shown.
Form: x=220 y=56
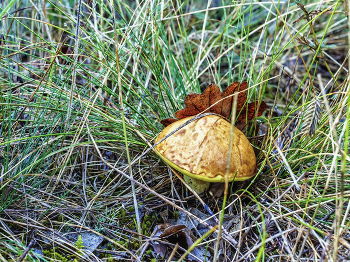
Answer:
x=158 y=247
x=216 y=189
x=173 y=234
x=221 y=103
x=172 y=230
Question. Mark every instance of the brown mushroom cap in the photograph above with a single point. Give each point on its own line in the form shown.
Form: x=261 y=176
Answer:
x=200 y=150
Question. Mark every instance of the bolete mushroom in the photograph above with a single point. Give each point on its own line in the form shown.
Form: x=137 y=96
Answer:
x=199 y=151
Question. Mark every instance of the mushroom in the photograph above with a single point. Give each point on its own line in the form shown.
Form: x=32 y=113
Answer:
x=199 y=151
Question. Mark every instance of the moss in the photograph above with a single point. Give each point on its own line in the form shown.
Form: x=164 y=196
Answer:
x=79 y=245
x=147 y=224
x=52 y=253
x=89 y=191
x=131 y=222
x=146 y=227
x=123 y=214
x=109 y=257
x=135 y=245
x=123 y=243
x=149 y=196
x=176 y=214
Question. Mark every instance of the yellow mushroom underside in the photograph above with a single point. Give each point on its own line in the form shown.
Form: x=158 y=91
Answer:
x=200 y=150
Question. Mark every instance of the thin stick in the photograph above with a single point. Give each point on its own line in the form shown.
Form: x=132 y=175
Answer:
x=24 y=255
x=173 y=252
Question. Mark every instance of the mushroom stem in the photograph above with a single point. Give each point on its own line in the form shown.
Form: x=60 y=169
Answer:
x=197 y=185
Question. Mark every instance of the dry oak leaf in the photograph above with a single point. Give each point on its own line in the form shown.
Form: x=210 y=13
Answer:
x=208 y=101
x=173 y=234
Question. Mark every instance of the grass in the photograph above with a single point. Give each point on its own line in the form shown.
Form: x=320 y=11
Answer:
x=85 y=84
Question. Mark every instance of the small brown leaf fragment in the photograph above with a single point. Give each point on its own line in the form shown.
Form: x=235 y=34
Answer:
x=251 y=111
x=217 y=189
x=168 y=121
x=189 y=240
x=172 y=230
x=177 y=234
x=159 y=248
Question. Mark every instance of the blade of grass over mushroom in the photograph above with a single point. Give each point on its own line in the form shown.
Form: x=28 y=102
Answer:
x=233 y=117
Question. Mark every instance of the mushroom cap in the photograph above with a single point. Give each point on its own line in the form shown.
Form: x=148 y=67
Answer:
x=200 y=150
